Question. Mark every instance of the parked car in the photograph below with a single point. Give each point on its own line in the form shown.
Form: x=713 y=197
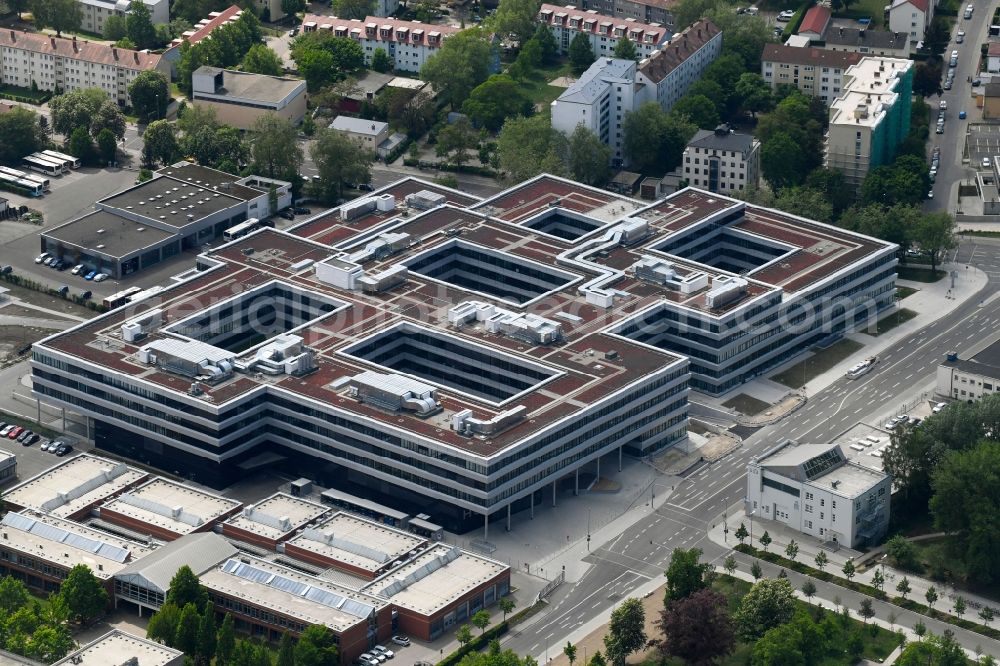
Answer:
x=24 y=435
x=938 y=407
x=78 y=269
x=51 y=444
x=62 y=265
x=6 y=429
x=42 y=257
x=960 y=37
x=943 y=104
x=976 y=83
x=961 y=115
x=986 y=163
x=100 y=277
x=385 y=651
x=90 y=275
x=86 y=295
x=401 y=640
x=930 y=194
x=63 y=290
x=366 y=187
x=947 y=86
x=62 y=450
x=287 y=214
x=299 y=210
x=49 y=260
x=34 y=437
x=15 y=433
x=5 y=270
x=785 y=16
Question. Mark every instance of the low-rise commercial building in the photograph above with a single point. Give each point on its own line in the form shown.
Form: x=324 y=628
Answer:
x=870 y=118
x=94 y=13
x=604 y=32
x=118 y=647
x=816 y=490
x=29 y=59
x=408 y=43
x=273 y=520
x=970 y=379
x=722 y=160
x=816 y=72
x=240 y=99
x=370 y=134
x=8 y=461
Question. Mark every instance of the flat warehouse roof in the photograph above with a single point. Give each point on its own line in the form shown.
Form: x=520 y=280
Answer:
x=257 y=87
x=74 y=484
x=172 y=506
x=108 y=234
x=436 y=578
x=357 y=542
x=210 y=178
x=172 y=202
x=277 y=515
x=118 y=647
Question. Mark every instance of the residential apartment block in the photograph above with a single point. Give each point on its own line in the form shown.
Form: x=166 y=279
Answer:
x=912 y=17
x=603 y=31
x=814 y=71
x=611 y=88
x=870 y=118
x=72 y=64
x=203 y=29
x=816 y=490
x=866 y=42
x=972 y=378
x=408 y=43
x=722 y=160
x=94 y=13
x=647 y=11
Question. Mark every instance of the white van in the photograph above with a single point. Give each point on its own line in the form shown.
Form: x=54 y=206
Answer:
x=968 y=11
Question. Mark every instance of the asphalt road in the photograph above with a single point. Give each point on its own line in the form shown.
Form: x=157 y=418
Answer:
x=642 y=551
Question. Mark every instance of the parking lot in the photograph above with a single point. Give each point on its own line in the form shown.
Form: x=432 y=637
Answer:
x=31 y=460
x=982 y=141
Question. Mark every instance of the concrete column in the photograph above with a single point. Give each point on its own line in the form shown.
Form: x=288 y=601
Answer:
x=64 y=419
x=532 y=505
x=486 y=527
x=508 y=516
x=38 y=402
x=598 y=467
x=620 y=458
x=553 y=493
x=576 y=482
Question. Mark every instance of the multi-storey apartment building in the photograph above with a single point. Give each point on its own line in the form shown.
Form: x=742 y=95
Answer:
x=816 y=490
x=866 y=42
x=870 y=118
x=53 y=63
x=668 y=73
x=816 y=72
x=599 y=100
x=408 y=43
x=722 y=160
x=603 y=31
x=648 y=11
x=94 y=13
x=912 y=17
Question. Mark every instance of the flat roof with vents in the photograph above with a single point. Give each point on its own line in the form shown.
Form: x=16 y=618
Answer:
x=74 y=485
x=167 y=505
x=276 y=516
x=65 y=544
x=436 y=578
x=118 y=647
x=283 y=591
x=107 y=234
x=358 y=543
x=172 y=202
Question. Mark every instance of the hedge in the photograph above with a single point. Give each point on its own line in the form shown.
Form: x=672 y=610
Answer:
x=476 y=644
x=15 y=279
x=803 y=568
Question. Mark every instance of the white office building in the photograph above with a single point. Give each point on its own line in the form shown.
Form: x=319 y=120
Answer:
x=95 y=12
x=970 y=379
x=816 y=490
x=599 y=101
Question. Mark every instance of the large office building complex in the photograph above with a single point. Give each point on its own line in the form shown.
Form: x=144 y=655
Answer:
x=870 y=118
x=29 y=59
x=433 y=350
x=816 y=490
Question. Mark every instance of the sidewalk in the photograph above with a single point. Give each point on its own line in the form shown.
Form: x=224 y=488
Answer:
x=866 y=564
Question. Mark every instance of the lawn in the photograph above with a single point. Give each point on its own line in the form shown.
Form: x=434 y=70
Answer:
x=891 y=321
x=27 y=94
x=918 y=274
x=876 y=647
x=903 y=292
x=746 y=404
x=821 y=361
x=537 y=85
x=872 y=9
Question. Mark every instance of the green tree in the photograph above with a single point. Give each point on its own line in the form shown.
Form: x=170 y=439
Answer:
x=927 y=78
x=20 y=135
x=274 y=147
x=150 y=95
x=494 y=100
x=225 y=641
x=768 y=604
x=654 y=141
x=960 y=606
x=506 y=605
x=50 y=644
x=866 y=610
x=339 y=160
x=293 y=7
x=207 y=635
x=809 y=588
x=821 y=559
x=792 y=550
x=936 y=235
x=162 y=626
x=570 y=651
x=741 y=533
x=970 y=512
x=597 y=660
x=756 y=571
x=849 y=569
x=185 y=588
x=457 y=141
x=754 y=93
x=547 y=44
x=188 y=625
x=114 y=28
x=462 y=63
x=59 y=15
x=729 y=564
x=83 y=593
x=697 y=628
x=13 y=593
x=107 y=146
x=699 y=109
x=286 y=650
x=381 y=62
x=108 y=117
x=589 y=157
x=686 y=574
x=782 y=162
x=480 y=620
x=139 y=26
x=626 y=632
x=317 y=646
x=878 y=580
x=527 y=147
x=463 y=635
x=625 y=49
x=516 y=18
x=323 y=58
x=931 y=596
x=765 y=540
x=830 y=183
x=903 y=586
x=353 y=9
x=888 y=186
x=710 y=89
x=75 y=109
x=938 y=35
x=581 y=54
x=261 y=59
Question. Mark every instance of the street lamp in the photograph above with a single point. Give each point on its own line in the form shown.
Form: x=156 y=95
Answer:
x=750 y=517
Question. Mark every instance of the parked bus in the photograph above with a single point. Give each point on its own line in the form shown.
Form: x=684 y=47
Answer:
x=24 y=175
x=70 y=161
x=121 y=298
x=42 y=165
x=366 y=508
x=33 y=188
x=241 y=229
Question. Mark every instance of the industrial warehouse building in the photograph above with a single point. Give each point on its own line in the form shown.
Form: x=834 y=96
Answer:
x=461 y=356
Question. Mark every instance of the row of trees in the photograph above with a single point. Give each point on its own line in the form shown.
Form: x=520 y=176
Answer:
x=226 y=47
x=186 y=621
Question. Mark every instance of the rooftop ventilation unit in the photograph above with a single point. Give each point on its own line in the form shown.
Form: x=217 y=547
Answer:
x=139 y=328
x=529 y=328
x=725 y=290
x=425 y=200
x=662 y=272
x=395 y=393
x=465 y=424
